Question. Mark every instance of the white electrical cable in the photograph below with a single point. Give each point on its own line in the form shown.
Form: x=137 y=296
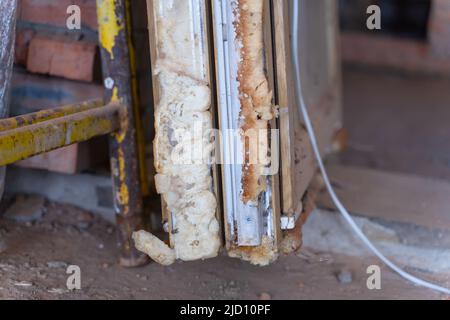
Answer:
x=303 y=110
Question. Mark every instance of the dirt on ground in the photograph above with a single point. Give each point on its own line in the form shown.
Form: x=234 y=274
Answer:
x=35 y=256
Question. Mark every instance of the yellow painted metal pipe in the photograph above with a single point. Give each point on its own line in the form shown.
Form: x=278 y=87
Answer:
x=49 y=114
x=32 y=139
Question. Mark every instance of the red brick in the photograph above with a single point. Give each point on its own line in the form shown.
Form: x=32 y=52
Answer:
x=61 y=57
x=23 y=39
x=71 y=159
x=63 y=160
x=31 y=93
x=54 y=12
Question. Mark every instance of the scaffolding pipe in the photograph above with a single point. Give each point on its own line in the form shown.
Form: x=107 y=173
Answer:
x=126 y=145
x=30 y=135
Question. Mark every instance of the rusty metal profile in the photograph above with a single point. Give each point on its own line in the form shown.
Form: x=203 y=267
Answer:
x=126 y=145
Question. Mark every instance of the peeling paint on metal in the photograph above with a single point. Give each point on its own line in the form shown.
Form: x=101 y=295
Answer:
x=123 y=195
x=115 y=95
x=44 y=115
x=109 y=25
x=28 y=140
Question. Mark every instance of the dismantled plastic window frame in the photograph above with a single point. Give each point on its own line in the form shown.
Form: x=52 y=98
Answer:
x=246 y=222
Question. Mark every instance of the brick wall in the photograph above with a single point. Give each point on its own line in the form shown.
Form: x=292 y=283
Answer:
x=57 y=66
x=46 y=46
x=53 y=12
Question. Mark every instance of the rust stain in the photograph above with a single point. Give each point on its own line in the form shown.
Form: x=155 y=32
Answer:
x=292 y=239
x=340 y=140
x=255 y=95
x=261 y=255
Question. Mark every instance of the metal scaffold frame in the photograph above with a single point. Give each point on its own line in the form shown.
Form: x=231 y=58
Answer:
x=117 y=114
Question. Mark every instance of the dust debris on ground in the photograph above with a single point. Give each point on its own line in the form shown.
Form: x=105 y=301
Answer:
x=34 y=257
